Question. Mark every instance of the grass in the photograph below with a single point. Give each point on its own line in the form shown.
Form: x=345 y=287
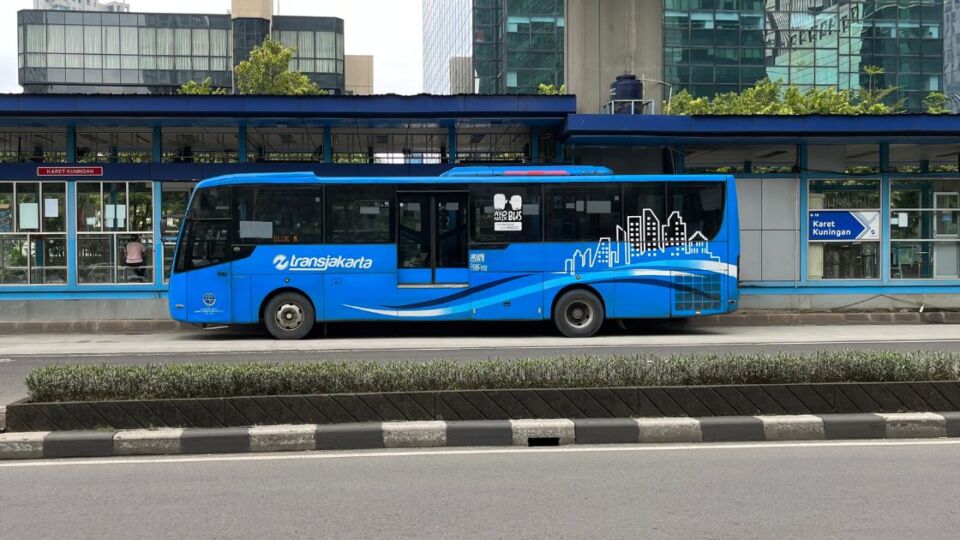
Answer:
x=112 y=382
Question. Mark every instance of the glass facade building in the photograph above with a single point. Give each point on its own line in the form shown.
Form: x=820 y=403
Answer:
x=517 y=45
x=91 y=52
x=447 y=46
x=715 y=46
x=319 y=47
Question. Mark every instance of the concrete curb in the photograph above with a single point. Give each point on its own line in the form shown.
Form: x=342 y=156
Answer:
x=758 y=318
x=553 y=432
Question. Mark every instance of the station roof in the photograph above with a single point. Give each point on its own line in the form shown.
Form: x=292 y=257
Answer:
x=34 y=106
x=623 y=129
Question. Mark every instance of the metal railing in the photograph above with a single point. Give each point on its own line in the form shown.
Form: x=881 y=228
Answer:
x=630 y=106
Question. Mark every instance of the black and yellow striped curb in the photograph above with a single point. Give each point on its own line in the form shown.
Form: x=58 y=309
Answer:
x=280 y=438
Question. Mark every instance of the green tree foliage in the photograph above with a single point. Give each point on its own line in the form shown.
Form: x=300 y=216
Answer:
x=936 y=103
x=267 y=72
x=768 y=97
x=552 y=89
x=204 y=88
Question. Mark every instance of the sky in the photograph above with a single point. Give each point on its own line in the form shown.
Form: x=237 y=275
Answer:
x=390 y=30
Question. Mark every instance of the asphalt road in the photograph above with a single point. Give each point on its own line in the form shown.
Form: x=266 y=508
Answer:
x=21 y=353
x=847 y=490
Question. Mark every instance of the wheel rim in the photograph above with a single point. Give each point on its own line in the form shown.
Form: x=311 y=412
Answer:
x=579 y=314
x=289 y=317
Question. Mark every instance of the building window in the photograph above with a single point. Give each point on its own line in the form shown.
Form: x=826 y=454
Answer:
x=114 y=232
x=843 y=229
x=924 y=229
x=33 y=243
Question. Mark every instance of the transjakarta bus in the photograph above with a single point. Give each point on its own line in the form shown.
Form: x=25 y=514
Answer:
x=574 y=245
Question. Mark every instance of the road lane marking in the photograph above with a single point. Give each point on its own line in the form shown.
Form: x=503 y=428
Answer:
x=475 y=451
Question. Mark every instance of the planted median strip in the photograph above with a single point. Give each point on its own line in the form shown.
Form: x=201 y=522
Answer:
x=70 y=383
x=105 y=397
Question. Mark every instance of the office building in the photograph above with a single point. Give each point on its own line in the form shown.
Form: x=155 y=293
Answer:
x=120 y=6
x=359 y=75
x=512 y=45
x=517 y=45
x=447 y=46
x=155 y=53
x=726 y=46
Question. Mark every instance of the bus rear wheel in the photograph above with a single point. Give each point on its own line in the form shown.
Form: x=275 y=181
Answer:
x=578 y=313
x=289 y=316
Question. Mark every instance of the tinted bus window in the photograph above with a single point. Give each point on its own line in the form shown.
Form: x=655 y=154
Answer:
x=581 y=213
x=211 y=203
x=701 y=205
x=507 y=213
x=279 y=214
x=645 y=196
x=204 y=243
x=359 y=214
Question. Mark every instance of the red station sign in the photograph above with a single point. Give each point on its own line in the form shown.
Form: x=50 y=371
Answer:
x=69 y=171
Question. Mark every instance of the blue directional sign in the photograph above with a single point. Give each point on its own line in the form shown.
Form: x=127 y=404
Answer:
x=844 y=225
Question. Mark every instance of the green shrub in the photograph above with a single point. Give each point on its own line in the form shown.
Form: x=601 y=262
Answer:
x=111 y=382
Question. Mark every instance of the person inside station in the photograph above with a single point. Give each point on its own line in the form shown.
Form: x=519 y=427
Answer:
x=133 y=258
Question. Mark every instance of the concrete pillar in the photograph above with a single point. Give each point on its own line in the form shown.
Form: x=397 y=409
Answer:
x=251 y=9
x=605 y=38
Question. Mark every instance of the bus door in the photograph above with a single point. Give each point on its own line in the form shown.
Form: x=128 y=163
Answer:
x=208 y=281
x=432 y=239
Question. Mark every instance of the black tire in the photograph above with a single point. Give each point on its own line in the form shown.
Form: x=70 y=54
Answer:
x=578 y=313
x=289 y=316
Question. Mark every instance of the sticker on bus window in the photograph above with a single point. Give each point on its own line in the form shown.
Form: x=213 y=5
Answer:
x=507 y=213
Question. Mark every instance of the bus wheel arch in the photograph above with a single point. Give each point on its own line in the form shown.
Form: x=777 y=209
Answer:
x=578 y=310
x=288 y=313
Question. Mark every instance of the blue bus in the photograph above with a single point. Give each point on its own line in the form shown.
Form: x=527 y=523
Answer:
x=574 y=245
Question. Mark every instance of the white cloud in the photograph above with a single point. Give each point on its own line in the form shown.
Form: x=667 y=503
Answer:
x=387 y=29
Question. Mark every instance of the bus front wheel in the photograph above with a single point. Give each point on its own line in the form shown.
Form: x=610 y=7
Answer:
x=289 y=316
x=578 y=313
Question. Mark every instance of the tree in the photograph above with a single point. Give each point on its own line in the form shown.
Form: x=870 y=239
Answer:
x=205 y=88
x=552 y=90
x=268 y=72
x=936 y=103
x=768 y=97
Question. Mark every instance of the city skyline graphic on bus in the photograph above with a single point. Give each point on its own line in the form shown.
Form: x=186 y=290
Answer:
x=644 y=237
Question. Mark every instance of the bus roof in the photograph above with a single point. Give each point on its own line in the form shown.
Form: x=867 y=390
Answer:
x=472 y=176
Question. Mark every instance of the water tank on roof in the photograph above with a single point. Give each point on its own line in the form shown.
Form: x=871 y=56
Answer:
x=626 y=86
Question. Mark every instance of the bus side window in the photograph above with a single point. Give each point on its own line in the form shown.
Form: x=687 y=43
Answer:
x=279 y=214
x=701 y=205
x=358 y=214
x=582 y=213
x=640 y=196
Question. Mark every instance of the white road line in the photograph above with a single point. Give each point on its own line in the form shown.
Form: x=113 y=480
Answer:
x=5 y=360
x=476 y=451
